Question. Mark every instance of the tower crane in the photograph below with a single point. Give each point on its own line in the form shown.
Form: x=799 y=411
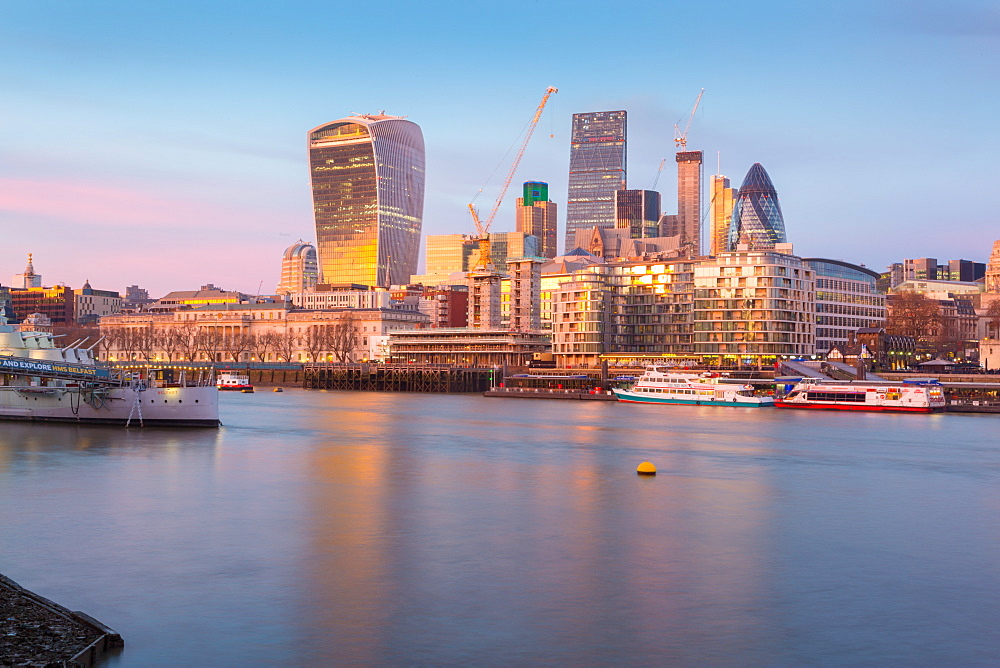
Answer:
x=658 y=172
x=681 y=138
x=483 y=224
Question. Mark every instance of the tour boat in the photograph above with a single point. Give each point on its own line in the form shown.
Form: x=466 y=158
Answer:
x=660 y=385
x=914 y=396
x=234 y=381
x=40 y=381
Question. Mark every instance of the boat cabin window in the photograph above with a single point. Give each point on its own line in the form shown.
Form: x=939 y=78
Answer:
x=836 y=396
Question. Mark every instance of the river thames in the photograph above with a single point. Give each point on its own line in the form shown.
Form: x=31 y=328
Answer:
x=320 y=528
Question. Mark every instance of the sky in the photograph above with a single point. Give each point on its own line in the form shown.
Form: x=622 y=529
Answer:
x=164 y=144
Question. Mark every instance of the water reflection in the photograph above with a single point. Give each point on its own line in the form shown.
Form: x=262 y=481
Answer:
x=379 y=528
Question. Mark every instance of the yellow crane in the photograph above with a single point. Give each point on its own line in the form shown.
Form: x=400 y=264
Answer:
x=483 y=224
x=681 y=138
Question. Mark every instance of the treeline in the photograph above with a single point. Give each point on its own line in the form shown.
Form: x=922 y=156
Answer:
x=195 y=341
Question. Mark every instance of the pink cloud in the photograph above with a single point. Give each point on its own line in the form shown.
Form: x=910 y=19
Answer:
x=100 y=204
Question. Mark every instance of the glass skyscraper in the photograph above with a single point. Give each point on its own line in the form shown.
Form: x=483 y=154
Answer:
x=367 y=175
x=596 y=171
x=757 y=220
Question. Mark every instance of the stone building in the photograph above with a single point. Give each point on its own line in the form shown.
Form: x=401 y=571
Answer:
x=252 y=333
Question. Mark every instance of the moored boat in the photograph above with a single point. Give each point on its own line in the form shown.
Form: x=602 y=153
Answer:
x=915 y=396
x=40 y=381
x=234 y=381
x=660 y=385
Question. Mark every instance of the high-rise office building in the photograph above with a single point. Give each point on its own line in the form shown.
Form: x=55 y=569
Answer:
x=298 y=269
x=536 y=216
x=638 y=211
x=596 y=170
x=368 y=198
x=757 y=220
x=687 y=224
x=720 y=214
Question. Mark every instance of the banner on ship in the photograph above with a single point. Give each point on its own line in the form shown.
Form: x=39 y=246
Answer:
x=23 y=365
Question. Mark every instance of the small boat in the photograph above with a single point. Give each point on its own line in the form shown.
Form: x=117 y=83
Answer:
x=234 y=381
x=910 y=396
x=278 y=389
x=660 y=385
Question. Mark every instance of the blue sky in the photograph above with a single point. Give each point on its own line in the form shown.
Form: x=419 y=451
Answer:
x=163 y=144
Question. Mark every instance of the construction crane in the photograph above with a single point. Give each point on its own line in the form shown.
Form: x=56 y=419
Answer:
x=659 y=171
x=483 y=224
x=681 y=138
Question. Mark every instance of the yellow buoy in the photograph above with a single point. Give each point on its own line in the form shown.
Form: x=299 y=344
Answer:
x=646 y=468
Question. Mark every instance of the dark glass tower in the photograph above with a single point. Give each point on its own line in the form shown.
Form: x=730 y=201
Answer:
x=638 y=211
x=367 y=176
x=757 y=219
x=596 y=171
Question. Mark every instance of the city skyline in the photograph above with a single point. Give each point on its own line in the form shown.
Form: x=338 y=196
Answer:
x=184 y=145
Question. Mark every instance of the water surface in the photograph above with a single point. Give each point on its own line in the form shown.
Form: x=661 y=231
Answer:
x=377 y=528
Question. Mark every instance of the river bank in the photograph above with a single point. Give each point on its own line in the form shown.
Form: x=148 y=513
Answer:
x=38 y=632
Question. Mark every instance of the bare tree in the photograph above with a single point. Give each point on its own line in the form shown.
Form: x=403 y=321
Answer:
x=127 y=341
x=286 y=345
x=318 y=338
x=262 y=343
x=145 y=340
x=110 y=338
x=344 y=337
x=913 y=314
x=210 y=342
x=236 y=344
x=187 y=340
x=170 y=341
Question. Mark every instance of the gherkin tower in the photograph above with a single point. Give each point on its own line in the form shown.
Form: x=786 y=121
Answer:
x=757 y=220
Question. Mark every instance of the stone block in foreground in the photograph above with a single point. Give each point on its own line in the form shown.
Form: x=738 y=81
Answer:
x=35 y=631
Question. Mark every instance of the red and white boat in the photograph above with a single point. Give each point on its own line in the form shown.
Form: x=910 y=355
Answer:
x=913 y=396
x=234 y=382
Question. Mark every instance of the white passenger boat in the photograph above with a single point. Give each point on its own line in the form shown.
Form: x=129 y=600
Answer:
x=660 y=385
x=42 y=382
x=234 y=381
x=914 y=396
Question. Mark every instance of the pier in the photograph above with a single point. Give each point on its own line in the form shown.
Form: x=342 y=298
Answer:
x=398 y=377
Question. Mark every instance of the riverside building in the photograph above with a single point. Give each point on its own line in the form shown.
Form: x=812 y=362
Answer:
x=623 y=311
x=754 y=306
x=847 y=299
x=243 y=333
x=597 y=159
x=367 y=176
